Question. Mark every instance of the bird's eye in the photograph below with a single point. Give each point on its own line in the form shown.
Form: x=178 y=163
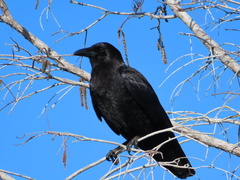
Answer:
x=101 y=49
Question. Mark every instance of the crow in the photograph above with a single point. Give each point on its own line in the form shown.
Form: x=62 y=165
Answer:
x=124 y=98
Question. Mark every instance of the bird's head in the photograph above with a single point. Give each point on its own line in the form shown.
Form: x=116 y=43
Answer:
x=101 y=53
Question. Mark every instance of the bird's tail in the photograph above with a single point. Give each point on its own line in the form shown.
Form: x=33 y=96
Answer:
x=171 y=153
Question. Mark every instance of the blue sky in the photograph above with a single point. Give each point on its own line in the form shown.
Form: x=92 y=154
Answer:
x=41 y=158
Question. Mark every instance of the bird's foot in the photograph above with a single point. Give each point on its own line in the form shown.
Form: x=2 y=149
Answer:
x=113 y=156
x=132 y=143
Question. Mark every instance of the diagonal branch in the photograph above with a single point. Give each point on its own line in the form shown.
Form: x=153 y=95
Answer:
x=7 y=18
x=207 y=140
x=210 y=44
x=4 y=175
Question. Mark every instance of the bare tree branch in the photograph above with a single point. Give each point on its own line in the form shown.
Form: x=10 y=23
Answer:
x=4 y=175
x=85 y=168
x=62 y=63
x=208 y=140
x=210 y=44
x=107 y=12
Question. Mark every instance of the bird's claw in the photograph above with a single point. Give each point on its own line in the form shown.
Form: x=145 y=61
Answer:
x=112 y=156
x=132 y=143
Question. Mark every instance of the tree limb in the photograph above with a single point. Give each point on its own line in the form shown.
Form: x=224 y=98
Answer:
x=4 y=176
x=62 y=63
x=207 y=140
x=210 y=44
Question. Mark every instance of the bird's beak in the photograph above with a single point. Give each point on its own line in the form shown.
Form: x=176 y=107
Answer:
x=87 y=52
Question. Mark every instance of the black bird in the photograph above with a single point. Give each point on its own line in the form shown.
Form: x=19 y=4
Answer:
x=125 y=99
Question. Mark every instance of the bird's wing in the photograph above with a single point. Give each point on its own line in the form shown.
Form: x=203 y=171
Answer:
x=96 y=109
x=101 y=115
x=145 y=97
